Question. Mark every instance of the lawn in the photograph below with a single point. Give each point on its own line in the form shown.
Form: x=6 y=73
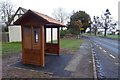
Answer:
x=72 y=44
x=16 y=47
x=11 y=48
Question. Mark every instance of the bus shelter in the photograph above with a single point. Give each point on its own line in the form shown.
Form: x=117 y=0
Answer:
x=34 y=44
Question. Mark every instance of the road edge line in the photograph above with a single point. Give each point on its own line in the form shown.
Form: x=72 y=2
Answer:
x=94 y=65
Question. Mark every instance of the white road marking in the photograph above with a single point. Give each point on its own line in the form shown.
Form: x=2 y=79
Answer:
x=112 y=56
x=104 y=51
x=100 y=47
x=116 y=63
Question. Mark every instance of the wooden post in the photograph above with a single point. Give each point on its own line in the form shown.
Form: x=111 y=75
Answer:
x=45 y=34
x=58 y=39
x=42 y=46
x=51 y=35
x=23 y=57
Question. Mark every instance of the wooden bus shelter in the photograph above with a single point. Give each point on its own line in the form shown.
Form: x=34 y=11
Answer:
x=34 y=45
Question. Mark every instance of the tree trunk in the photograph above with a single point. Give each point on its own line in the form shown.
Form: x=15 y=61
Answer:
x=90 y=30
x=61 y=28
x=105 y=32
x=95 y=32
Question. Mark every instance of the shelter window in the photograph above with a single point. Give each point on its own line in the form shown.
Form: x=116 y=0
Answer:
x=36 y=35
x=48 y=35
x=54 y=34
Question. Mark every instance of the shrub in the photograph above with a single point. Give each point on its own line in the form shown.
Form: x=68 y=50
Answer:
x=63 y=33
x=74 y=31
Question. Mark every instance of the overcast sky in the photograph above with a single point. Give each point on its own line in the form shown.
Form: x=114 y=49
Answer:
x=92 y=7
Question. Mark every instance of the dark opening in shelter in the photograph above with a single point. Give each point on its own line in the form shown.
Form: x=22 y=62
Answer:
x=34 y=45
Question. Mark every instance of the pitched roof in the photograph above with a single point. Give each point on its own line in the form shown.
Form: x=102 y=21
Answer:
x=20 y=8
x=23 y=9
x=48 y=20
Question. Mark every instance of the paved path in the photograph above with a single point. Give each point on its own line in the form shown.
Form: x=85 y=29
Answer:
x=81 y=64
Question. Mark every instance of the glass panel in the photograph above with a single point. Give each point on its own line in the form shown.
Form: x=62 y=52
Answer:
x=48 y=35
x=54 y=34
x=36 y=36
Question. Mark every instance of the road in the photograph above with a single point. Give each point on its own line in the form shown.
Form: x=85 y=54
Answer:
x=106 y=56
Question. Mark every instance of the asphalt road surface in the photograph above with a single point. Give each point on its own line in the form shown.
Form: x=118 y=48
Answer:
x=106 y=55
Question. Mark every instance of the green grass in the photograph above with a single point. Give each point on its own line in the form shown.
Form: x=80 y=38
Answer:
x=72 y=44
x=11 y=48
x=16 y=47
x=114 y=36
x=107 y=36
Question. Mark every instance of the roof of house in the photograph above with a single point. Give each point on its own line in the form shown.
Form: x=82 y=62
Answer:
x=20 y=8
x=49 y=21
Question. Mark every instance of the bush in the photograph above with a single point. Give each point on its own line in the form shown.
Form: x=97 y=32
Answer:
x=63 y=33
x=74 y=31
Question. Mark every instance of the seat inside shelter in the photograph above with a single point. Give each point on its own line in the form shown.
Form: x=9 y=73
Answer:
x=34 y=28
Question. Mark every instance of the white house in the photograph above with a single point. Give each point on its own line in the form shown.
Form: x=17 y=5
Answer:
x=15 y=30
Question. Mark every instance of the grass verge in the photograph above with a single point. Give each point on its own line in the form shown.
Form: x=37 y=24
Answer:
x=16 y=47
x=72 y=44
x=11 y=48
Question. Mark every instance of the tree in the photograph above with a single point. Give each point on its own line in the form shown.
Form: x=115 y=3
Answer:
x=6 y=10
x=60 y=15
x=82 y=18
x=96 y=24
x=107 y=22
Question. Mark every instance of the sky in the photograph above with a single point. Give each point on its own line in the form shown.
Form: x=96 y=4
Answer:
x=92 y=7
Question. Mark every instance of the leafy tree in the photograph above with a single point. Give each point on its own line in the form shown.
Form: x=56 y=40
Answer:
x=6 y=10
x=79 y=20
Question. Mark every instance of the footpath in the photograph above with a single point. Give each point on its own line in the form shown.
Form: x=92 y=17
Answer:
x=81 y=65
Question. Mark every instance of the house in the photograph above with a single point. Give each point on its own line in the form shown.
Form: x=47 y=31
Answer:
x=117 y=32
x=15 y=30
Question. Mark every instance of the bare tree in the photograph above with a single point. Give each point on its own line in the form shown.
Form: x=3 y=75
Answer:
x=96 y=24
x=107 y=22
x=6 y=10
x=60 y=15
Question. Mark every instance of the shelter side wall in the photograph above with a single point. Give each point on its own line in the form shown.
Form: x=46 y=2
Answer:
x=14 y=33
x=52 y=48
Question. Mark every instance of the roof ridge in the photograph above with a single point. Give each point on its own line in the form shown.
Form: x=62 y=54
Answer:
x=47 y=17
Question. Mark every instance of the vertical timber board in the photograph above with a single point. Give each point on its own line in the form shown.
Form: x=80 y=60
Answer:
x=51 y=35
x=58 y=36
x=45 y=35
x=42 y=62
x=23 y=56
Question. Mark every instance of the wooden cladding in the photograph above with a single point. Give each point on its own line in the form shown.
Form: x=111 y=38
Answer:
x=32 y=56
x=52 y=48
x=27 y=37
x=32 y=45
